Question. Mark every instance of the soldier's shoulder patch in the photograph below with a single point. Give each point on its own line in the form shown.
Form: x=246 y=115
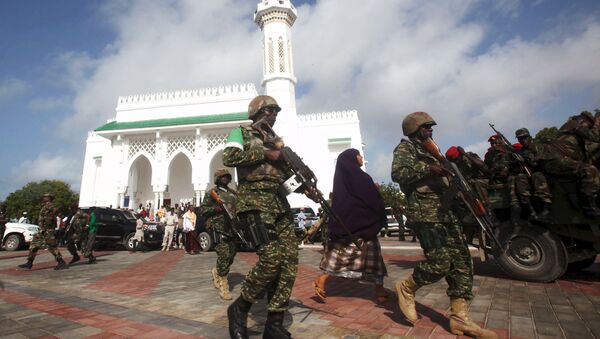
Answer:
x=235 y=139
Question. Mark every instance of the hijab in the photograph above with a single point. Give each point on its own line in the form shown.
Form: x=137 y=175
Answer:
x=356 y=199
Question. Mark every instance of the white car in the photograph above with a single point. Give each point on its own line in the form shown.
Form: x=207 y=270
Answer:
x=18 y=235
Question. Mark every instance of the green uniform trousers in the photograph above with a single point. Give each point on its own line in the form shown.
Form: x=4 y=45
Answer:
x=44 y=239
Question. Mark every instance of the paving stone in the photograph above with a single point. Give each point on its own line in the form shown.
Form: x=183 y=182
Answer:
x=521 y=327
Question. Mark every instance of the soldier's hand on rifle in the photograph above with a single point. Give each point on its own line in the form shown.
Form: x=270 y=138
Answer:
x=313 y=194
x=272 y=155
x=438 y=170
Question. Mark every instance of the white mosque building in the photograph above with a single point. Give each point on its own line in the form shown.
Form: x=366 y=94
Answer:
x=163 y=148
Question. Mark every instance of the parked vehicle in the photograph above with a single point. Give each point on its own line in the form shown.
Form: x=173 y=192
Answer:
x=18 y=236
x=117 y=228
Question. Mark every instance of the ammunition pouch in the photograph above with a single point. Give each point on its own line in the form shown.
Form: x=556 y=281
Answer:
x=255 y=231
x=430 y=237
x=215 y=235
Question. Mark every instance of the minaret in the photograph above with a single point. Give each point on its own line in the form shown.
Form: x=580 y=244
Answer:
x=275 y=18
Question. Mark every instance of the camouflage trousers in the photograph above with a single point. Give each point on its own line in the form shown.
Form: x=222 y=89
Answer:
x=539 y=184
x=226 y=250
x=586 y=174
x=77 y=240
x=275 y=271
x=446 y=256
x=44 y=239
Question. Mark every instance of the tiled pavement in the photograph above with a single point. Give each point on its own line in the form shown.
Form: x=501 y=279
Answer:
x=170 y=295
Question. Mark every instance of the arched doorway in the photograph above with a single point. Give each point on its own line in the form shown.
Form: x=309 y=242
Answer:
x=139 y=186
x=180 y=188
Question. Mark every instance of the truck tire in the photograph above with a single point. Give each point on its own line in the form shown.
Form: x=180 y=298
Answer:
x=13 y=242
x=128 y=242
x=581 y=264
x=534 y=254
x=206 y=242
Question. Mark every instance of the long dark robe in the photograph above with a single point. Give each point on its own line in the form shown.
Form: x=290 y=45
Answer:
x=356 y=199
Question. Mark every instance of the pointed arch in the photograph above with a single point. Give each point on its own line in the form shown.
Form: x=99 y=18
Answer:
x=140 y=170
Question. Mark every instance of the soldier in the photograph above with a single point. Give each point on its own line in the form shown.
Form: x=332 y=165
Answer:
x=568 y=157
x=535 y=153
x=264 y=210
x=77 y=234
x=45 y=237
x=219 y=223
x=423 y=180
x=3 y=221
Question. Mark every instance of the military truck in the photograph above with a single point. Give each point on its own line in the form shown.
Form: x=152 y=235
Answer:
x=543 y=250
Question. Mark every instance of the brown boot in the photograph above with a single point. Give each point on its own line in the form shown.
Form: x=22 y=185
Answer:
x=461 y=324
x=406 y=298
x=224 y=289
x=216 y=278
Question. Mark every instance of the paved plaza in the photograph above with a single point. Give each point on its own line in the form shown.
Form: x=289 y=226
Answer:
x=170 y=295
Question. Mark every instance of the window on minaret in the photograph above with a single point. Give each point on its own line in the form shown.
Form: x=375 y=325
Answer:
x=271 y=57
x=281 y=56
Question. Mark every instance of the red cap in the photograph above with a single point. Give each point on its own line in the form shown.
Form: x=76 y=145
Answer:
x=452 y=153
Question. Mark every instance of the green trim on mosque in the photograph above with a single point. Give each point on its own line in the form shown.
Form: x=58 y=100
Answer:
x=339 y=139
x=204 y=119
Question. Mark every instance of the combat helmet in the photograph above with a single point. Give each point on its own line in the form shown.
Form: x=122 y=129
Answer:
x=413 y=121
x=587 y=115
x=261 y=102
x=221 y=172
x=522 y=132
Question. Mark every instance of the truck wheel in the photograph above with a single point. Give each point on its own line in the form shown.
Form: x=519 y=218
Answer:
x=533 y=254
x=581 y=265
x=206 y=242
x=13 y=242
x=128 y=242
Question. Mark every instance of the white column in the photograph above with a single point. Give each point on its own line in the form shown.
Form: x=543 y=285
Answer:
x=198 y=197
x=155 y=205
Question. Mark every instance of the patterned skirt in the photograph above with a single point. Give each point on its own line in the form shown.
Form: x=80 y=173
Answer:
x=345 y=260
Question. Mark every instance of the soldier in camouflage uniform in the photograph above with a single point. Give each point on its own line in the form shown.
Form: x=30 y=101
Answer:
x=423 y=180
x=569 y=157
x=535 y=153
x=261 y=203
x=45 y=237
x=218 y=222
x=77 y=235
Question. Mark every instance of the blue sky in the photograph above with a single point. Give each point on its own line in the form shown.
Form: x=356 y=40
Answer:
x=516 y=63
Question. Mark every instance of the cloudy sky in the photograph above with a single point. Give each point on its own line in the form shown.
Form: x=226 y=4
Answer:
x=515 y=63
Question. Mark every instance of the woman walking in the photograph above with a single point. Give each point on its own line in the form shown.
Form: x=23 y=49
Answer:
x=360 y=207
x=189 y=229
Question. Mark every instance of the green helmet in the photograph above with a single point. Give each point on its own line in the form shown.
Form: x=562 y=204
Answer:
x=522 y=132
x=414 y=121
x=221 y=172
x=259 y=103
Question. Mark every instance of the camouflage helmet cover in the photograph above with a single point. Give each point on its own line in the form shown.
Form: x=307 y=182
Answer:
x=414 y=121
x=259 y=103
x=587 y=115
x=48 y=195
x=522 y=132
x=221 y=172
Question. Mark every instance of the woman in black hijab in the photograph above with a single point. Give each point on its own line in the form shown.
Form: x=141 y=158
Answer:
x=359 y=205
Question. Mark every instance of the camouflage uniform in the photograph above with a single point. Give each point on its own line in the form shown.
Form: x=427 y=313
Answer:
x=219 y=221
x=3 y=221
x=503 y=171
x=569 y=156
x=259 y=198
x=535 y=154
x=439 y=233
x=45 y=237
x=77 y=235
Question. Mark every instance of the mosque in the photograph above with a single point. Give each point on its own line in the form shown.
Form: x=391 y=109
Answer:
x=163 y=148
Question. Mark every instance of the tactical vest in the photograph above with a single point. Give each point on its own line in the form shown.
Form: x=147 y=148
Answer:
x=46 y=217
x=430 y=184
x=263 y=171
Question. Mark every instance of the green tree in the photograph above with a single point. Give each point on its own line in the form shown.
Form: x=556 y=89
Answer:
x=392 y=195
x=546 y=134
x=29 y=198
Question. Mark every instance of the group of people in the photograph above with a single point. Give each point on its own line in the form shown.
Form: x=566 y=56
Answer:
x=180 y=228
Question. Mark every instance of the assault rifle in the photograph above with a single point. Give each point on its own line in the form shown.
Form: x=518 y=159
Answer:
x=460 y=185
x=232 y=216
x=515 y=154
x=304 y=178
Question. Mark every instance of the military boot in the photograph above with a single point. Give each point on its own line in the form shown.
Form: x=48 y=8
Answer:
x=406 y=298
x=28 y=264
x=216 y=278
x=224 y=289
x=515 y=215
x=75 y=259
x=91 y=259
x=237 y=314
x=274 y=327
x=61 y=265
x=588 y=205
x=461 y=324
x=544 y=210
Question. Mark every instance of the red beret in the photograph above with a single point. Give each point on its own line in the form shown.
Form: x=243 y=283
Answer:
x=518 y=146
x=452 y=153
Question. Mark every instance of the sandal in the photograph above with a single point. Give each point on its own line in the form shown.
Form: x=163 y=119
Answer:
x=320 y=292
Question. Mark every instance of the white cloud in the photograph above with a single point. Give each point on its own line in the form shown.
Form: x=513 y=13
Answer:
x=47 y=167
x=47 y=104
x=10 y=88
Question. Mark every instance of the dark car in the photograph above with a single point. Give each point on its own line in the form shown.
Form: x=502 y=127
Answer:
x=117 y=228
